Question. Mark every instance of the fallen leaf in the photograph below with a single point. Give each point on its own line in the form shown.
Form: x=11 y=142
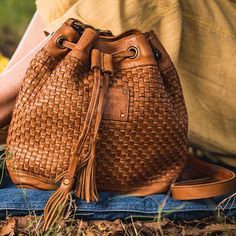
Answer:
x=7 y=227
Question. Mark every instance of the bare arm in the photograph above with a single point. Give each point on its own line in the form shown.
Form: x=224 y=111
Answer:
x=12 y=76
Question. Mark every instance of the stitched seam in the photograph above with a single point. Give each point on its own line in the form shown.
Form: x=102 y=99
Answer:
x=25 y=174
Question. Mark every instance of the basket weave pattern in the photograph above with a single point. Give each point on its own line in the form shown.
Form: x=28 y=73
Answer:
x=156 y=129
x=149 y=147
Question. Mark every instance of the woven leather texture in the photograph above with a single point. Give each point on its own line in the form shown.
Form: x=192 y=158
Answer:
x=149 y=147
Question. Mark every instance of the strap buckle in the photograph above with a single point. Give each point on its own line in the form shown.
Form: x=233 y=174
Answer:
x=81 y=27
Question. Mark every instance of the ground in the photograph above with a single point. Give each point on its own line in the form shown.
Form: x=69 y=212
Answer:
x=209 y=226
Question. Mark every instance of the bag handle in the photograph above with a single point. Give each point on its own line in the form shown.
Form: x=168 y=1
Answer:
x=221 y=181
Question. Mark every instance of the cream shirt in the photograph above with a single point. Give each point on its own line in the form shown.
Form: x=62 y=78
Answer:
x=200 y=37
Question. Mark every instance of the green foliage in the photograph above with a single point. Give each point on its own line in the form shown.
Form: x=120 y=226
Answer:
x=15 y=15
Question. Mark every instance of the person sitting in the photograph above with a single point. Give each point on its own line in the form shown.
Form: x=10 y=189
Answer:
x=198 y=36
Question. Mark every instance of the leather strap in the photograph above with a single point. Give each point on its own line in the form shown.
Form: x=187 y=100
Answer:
x=219 y=181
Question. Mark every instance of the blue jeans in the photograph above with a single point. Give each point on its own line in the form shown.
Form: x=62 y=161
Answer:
x=18 y=202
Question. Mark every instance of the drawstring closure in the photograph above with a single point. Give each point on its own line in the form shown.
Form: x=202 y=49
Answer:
x=101 y=63
x=86 y=184
x=82 y=167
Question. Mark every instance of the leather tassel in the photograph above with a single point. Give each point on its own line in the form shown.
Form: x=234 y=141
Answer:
x=86 y=164
x=57 y=204
x=86 y=188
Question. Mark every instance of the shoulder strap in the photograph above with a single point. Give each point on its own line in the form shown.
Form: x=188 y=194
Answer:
x=221 y=181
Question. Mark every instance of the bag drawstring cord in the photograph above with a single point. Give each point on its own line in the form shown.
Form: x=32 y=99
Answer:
x=84 y=165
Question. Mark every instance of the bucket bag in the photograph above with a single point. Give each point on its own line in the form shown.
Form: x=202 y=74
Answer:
x=103 y=112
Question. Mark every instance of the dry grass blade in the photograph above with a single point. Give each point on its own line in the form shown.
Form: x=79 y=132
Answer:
x=225 y=202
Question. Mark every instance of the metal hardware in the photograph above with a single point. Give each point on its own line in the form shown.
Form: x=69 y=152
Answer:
x=66 y=181
x=157 y=54
x=105 y=33
x=124 y=91
x=134 y=50
x=78 y=26
x=60 y=40
x=122 y=115
x=81 y=27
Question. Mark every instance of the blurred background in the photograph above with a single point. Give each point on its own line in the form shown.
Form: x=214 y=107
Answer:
x=15 y=15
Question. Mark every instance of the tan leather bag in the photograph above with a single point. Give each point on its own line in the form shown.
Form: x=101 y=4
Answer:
x=100 y=112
